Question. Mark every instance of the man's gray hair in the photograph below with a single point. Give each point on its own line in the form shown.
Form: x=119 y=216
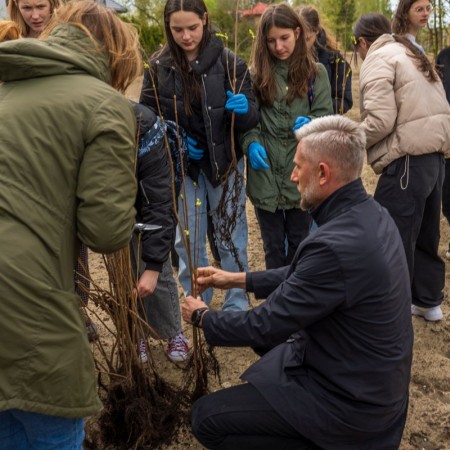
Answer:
x=337 y=140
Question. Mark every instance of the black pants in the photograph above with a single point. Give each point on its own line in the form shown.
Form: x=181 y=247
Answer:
x=446 y=192
x=283 y=226
x=410 y=188
x=239 y=418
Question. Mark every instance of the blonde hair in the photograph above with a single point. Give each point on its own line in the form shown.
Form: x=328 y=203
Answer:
x=16 y=16
x=109 y=34
x=8 y=31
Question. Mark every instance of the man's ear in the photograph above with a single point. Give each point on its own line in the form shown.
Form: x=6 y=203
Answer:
x=324 y=173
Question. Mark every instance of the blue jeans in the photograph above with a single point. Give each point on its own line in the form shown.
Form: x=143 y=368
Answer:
x=22 y=430
x=235 y=299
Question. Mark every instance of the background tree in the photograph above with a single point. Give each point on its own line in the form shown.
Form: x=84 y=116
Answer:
x=337 y=16
x=341 y=15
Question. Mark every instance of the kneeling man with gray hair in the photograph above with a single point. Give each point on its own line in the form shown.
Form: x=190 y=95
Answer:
x=334 y=333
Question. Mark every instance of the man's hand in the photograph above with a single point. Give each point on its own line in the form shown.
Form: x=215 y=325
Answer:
x=190 y=304
x=147 y=283
x=216 y=278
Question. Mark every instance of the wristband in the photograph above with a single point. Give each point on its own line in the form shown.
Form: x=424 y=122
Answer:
x=197 y=315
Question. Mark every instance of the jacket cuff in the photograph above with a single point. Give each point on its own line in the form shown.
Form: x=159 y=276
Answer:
x=246 y=140
x=249 y=282
x=153 y=265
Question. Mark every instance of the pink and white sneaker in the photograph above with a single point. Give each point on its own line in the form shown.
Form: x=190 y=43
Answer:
x=178 y=348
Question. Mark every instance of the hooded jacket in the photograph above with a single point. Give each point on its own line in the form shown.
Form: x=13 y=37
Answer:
x=272 y=189
x=66 y=175
x=403 y=113
x=154 y=199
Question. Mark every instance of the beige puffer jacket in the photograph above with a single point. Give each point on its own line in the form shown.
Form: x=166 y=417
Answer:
x=402 y=112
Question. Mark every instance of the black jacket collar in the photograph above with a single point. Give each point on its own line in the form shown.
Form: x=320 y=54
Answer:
x=201 y=64
x=208 y=56
x=340 y=201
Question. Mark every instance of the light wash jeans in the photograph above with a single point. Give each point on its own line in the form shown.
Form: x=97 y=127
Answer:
x=235 y=299
x=22 y=430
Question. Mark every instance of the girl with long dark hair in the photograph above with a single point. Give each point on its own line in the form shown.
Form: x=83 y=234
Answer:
x=191 y=81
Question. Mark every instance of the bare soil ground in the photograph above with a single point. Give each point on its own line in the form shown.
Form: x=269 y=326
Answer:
x=428 y=424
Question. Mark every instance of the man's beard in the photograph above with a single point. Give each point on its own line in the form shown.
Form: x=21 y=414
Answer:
x=309 y=198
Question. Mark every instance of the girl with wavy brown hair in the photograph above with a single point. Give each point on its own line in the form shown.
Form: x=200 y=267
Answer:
x=292 y=89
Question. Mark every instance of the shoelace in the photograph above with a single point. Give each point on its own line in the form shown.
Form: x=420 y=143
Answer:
x=142 y=346
x=178 y=343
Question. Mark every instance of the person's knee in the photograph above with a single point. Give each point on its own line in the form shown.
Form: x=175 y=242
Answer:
x=198 y=417
x=202 y=423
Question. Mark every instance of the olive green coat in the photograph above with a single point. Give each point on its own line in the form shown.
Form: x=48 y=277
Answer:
x=271 y=189
x=66 y=175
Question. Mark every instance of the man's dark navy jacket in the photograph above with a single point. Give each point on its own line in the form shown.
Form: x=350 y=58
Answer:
x=335 y=329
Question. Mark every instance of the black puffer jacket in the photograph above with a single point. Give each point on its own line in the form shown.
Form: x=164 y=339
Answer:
x=215 y=68
x=443 y=66
x=337 y=68
x=154 y=197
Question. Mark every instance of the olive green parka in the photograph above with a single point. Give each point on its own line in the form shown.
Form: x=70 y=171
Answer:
x=66 y=175
x=271 y=189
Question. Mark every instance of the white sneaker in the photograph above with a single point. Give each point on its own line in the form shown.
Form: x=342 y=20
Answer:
x=143 y=351
x=178 y=348
x=432 y=314
x=447 y=254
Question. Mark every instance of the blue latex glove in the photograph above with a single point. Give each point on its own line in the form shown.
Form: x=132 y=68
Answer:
x=300 y=121
x=237 y=103
x=256 y=155
x=194 y=152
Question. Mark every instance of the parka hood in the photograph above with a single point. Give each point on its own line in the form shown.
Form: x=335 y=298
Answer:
x=68 y=50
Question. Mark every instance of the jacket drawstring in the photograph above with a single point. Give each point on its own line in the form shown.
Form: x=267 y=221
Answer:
x=405 y=174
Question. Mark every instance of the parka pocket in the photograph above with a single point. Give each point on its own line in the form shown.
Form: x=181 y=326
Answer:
x=295 y=355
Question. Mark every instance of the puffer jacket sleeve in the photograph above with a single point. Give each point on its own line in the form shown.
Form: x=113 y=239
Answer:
x=155 y=200
x=106 y=188
x=246 y=139
x=247 y=121
x=378 y=106
x=322 y=104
